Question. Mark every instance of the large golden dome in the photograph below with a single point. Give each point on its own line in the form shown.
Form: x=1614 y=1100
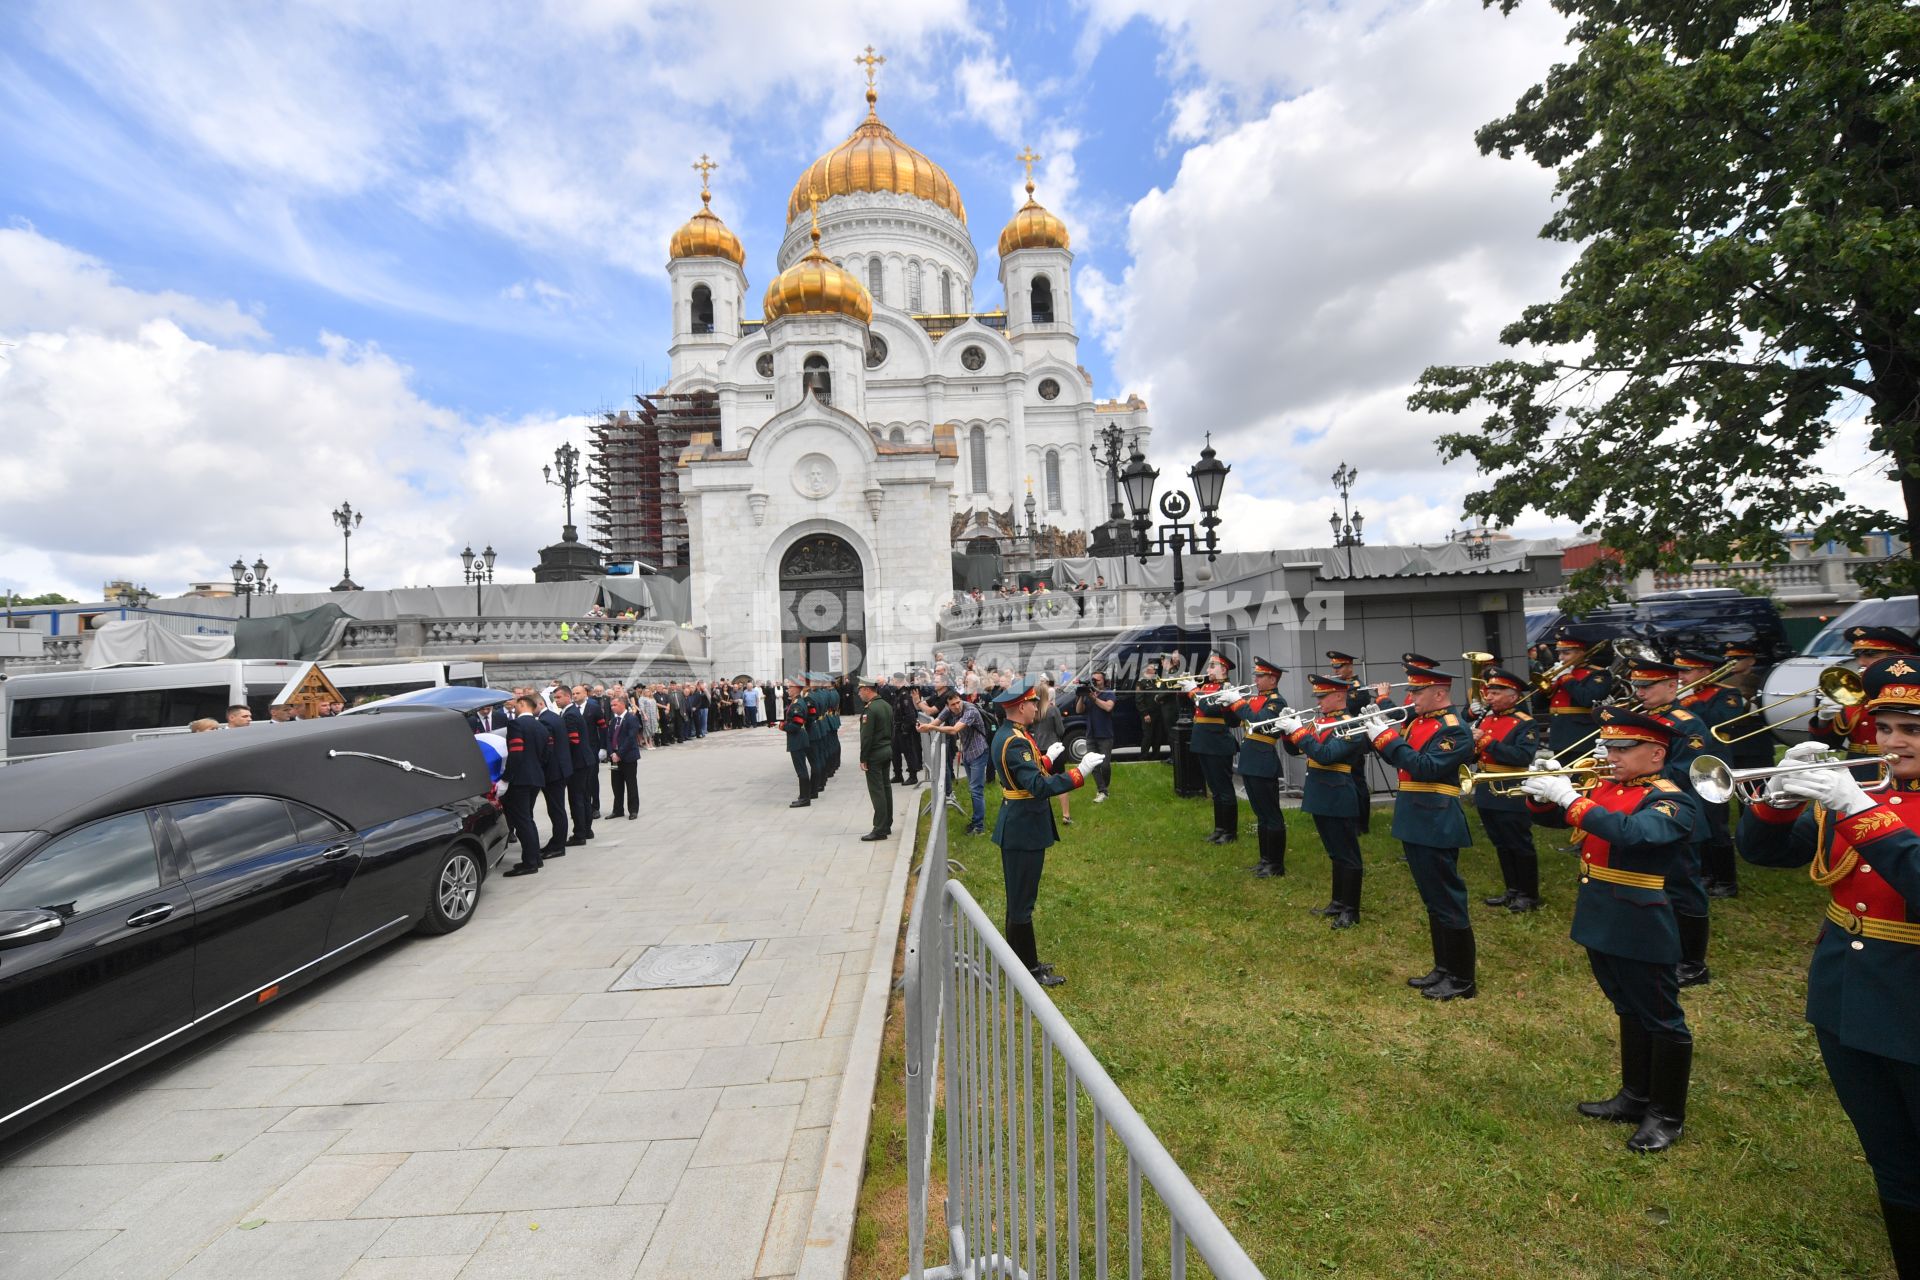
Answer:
x=873 y=159
x=704 y=235
x=814 y=286
x=1033 y=228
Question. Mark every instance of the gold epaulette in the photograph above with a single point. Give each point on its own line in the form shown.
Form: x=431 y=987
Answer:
x=1663 y=784
x=1449 y=721
x=1520 y=715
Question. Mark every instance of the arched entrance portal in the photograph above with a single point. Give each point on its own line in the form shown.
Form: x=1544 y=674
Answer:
x=823 y=613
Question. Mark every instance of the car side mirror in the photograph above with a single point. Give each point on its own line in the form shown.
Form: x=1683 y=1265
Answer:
x=18 y=928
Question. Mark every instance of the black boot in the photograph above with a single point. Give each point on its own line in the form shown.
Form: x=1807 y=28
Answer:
x=1273 y=853
x=1021 y=938
x=1903 y=1236
x=1506 y=878
x=1230 y=820
x=1346 y=894
x=1526 y=870
x=1693 y=950
x=1219 y=831
x=1629 y=1106
x=1458 y=950
x=1439 y=969
x=1333 y=894
x=1666 y=1114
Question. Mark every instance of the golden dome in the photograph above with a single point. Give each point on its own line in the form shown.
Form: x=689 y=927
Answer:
x=1033 y=228
x=704 y=235
x=814 y=286
x=873 y=159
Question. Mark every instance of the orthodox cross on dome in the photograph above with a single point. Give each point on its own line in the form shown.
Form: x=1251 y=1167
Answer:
x=703 y=167
x=1029 y=159
x=871 y=61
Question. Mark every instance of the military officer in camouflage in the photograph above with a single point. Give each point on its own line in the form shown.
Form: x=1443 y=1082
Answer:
x=1025 y=830
x=1635 y=827
x=1429 y=823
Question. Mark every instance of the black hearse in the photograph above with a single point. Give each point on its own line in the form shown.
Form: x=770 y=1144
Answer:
x=153 y=891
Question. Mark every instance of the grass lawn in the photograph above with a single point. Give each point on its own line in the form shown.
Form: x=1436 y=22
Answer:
x=1341 y=1124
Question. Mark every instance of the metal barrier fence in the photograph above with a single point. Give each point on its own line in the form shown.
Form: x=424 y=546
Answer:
x=1039 y=1139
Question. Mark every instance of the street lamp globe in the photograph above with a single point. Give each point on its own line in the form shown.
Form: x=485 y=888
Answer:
x=1209 y=477
x=466 y=559
x=1138 y=480
x=239 y=569
x=487 y=556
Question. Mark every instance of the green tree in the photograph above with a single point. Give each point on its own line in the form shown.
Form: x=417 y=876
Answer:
x=51 y=597
x=1742 y=179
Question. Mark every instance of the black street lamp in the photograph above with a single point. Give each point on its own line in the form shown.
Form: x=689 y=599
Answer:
x=478 y=574
x=347 y=520
x=248 y=583
x=1346 y=532
x=1176 y=533
x=566 y=475
x=136 y=597
x=1479 y=542
x=1111 y=453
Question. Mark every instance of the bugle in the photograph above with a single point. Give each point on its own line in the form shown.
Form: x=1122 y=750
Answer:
x=1585 y=774
x=1837 y=684
x=1718 y=783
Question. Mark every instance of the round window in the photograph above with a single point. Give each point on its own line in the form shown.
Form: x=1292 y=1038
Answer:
x=973 y=357
x=764 y=365
x=1049 y=389
x=876 y=351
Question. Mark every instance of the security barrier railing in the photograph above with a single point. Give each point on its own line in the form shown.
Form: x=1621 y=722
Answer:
x=1050 y=1170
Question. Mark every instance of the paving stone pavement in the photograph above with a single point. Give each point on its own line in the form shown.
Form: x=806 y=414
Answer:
x=481 y=1105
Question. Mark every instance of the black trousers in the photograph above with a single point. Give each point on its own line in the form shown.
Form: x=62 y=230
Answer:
x=1436 y=874
x=580 y=801
x=1022 y=869
x=1263 y=795
x=1717 y=853
x=556 y=794
x=803 y=769
x=1364 y=822
x=1153 y=735
x=1648 y=993
x=593 y=791
x=626 y=787
x=910 y=748
x=518 y=804
x=1218 y=771
x=1511 y=832
x=1341 y=837
x=1882 y=1098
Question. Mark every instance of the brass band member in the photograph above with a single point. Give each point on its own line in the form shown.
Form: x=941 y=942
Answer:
x=1341 y=666
x=1572 y=697
x=1333 y=805
x=1714 y=704
x=1851 y=729
x=1506 y=740
x=1863 y=990
x=1260 y=767
x=1213 y=743
x=1656 y=684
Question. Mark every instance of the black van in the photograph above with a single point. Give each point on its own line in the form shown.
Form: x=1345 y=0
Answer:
x=1122 y=660
x=1672 y=621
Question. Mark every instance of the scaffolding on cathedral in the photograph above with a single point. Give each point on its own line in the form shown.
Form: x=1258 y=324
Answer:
x=638 y=514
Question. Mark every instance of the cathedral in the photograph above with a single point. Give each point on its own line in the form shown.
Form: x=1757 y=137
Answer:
x=871 y=420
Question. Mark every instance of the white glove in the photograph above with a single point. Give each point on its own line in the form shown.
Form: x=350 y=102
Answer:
x=1554 y=791
x=1545 y=760
x=1374 y=723
x=1054 y=752
x=1805 y=752
x=1476 y=709
x=1091 y=761
x=603 y=755
x=1289 y=722
x=1835 y=789
x=1824 y=708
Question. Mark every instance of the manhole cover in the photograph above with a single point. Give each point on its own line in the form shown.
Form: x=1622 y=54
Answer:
x=701 y=964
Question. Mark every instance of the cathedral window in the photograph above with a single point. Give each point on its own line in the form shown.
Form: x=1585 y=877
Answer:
x=1053 y=480
x=913 y=287
x=946 y=293
x=1040 y=300
x=873 y=278
x=897 y=436
x=817 y=379
x=977 y=458
x=702 y=309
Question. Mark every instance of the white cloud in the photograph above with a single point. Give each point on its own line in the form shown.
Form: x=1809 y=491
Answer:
x=137 y=448
x=992 y=96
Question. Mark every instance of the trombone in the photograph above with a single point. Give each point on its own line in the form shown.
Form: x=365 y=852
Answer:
x=1552 y=675
x=1837 y=684
x=1585 y=774
x=1717 y=783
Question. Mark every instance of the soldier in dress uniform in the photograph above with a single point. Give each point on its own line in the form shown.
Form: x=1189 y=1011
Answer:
x=876 y=752
x=830 y=706
x=1506 y=740
x=1341 y=665
x=1260 y=766
x=1025 y=828
x=815 y=699
x=1427 y=820
x=1572 y=698
x=559 y=764
x=1329 y=799
x=1656 y=684
x=1153 y=729
x=525 y=774
x=1212 y=742
x=1863 y=990
x=1714 y=704
x=1635 y=827
x=797 y=723
x=1851 y=729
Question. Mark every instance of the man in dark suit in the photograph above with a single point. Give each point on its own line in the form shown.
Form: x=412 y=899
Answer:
x=525 y=774
x=623 y=749
x=593 y=710
x=559 y=764
x=580 y=781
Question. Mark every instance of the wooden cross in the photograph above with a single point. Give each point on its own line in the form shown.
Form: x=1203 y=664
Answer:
x=703 y=167
x=870 y=60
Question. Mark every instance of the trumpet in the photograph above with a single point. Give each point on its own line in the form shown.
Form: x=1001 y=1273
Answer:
x=1717 y=783
x=1224 y=694
x=1837 y=683
x=1585 y=774
x=1354 y=726
x=1553 y=674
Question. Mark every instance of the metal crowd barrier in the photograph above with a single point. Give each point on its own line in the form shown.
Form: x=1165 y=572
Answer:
x=1050 y=1170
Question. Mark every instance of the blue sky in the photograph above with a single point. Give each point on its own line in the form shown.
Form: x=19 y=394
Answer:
x=259 y=258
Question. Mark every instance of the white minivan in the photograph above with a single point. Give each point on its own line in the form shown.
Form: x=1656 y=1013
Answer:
x=1802 y=671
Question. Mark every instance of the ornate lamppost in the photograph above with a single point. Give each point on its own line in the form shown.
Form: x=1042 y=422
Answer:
x=566 y=475
x=346 y=519
x=478 y=574
x=1111 y=452
x=1479 y=542
x=1346 y=531
x=248 y=583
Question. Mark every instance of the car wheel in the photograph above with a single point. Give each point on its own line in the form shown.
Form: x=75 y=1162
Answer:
x=454 y=893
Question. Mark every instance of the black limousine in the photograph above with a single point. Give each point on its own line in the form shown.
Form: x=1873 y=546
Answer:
x=151 y=892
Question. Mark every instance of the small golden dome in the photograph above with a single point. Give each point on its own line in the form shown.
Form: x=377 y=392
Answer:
x=873 y=159
x=815 y=286
x=1032 y=227
x=704 y=235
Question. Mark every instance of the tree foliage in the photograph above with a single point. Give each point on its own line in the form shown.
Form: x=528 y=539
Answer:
x=51 y=597
x=1742 y=178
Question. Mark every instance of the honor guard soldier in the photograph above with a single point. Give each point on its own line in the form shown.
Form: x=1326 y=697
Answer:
x=816 y=700
x=1260 y=766
x=1213 y=743
x=1714 y=704
x=797 y=724
x=1863 y=989
x=1635 y=825
x=1429 y=823
x=830 y=693
x=1329 y=799
x=1025 y=829
x=1574 y=694
x=1506 y=740
x=1341 y=665
x=1656 y=684
x=876 y=753
x=1851 y=729
x=525 y=774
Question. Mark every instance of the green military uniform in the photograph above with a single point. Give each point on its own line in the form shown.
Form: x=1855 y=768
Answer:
x=1686 y=885
x=830 y=703
x=1715 y=704
x=1025 y=829
x=797 y=724
x=1260 y=771
x=817 y=731
x=1331 y=800
x=1213 y=744
x=876 y=752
